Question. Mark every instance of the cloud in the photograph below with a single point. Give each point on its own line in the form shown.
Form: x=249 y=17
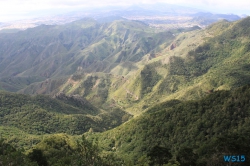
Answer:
x=75 y=3
x=218 y=4
x=21 y=7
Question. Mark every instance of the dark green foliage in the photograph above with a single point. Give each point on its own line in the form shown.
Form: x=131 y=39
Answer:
x=42 y=114
x=38 y=157
x=11 y=100
x=114 y=118
x=235 y=144
x=184 y=124
x=220 y=62
x=159 y=155
x=167 y=104
x=54 y=150
x=218 y=48
x=241 y=29
x=186 y=157
x=88 y=84
x=176 y=66
x=60 y=150
x=77 y=102
x=88 y=153
x=11 y=156
x=149 y=78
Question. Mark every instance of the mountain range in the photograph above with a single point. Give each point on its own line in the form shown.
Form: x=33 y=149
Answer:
x=160 y=15
x=174 y=92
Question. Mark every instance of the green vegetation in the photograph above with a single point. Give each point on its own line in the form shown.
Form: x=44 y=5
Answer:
x=190 y=94
x=11 y=156
x=195 y=132
x=80 y=46
x=186 y=133
x=44 y=115
x=149 y=78
x=57 y=150
x=173 y=133
x=130 y=60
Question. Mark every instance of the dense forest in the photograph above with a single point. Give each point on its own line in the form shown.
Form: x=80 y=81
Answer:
x=207 y=129
x=174 y=133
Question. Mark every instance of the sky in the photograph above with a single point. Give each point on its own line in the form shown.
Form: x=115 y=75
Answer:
x=22 y=9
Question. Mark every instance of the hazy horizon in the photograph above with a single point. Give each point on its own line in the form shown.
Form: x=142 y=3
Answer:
x=13 y=10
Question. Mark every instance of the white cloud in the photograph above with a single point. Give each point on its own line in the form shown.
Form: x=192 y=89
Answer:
x=10 y=8
x=218 y=5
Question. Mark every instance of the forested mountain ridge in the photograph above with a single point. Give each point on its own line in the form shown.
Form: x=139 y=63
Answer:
x=188 y=89
x=189 y=63
x=45 y=52
x=194 y=64
x=207 y=128
x=176 y=133
x=45 y=115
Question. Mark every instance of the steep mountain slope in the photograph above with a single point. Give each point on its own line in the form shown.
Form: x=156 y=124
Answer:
x=184 y=87
x=221 y=116
x=82 y=46
x=193 y=65
x=197 y=132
